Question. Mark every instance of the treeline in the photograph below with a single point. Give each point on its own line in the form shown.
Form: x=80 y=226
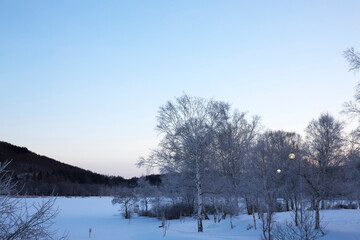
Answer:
x=217 y=159
x=40 y=175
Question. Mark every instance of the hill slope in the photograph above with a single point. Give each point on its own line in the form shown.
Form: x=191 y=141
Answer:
x=41 y=175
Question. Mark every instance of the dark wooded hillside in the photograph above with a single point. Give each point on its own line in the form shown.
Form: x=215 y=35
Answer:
x=40 y=175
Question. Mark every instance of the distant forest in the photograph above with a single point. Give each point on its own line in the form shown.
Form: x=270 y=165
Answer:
x=40 y=175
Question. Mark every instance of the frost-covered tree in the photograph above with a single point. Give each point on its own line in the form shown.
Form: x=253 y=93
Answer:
x=187 y=125
x=145 y=192
x=269 y=173
x=235 y=135
x=352 y=107
x=353 y=58
x=127 y=200
x=181 y=190
x=19 y=220
x=324 y=152
x=352 y=169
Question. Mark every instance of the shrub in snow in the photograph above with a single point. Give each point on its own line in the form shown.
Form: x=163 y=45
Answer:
x=171 y=211
x=345 y=206
x=303 y=231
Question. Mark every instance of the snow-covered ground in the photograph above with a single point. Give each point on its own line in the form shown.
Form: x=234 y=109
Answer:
x=79 y=214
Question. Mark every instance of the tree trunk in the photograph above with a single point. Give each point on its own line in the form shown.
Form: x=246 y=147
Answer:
x=296 y=213
x=126 y=212
x=313 y=204
x=231 y=224
x=287 y=205
x=247 y=203
x=204 y=213
x=253 y=213
x=146 y=207
x=268 y=219
x=322 y=204
x=317 y=214
x=292 y=203
x=200 y=226
x=217 y=214
x=199 y=196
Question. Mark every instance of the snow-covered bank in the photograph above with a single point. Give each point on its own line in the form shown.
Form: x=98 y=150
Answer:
x=79 y=214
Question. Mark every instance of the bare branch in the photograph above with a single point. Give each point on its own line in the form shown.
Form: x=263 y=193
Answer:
x=353 y=59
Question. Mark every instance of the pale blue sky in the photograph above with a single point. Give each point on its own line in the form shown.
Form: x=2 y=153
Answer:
x=81 y=81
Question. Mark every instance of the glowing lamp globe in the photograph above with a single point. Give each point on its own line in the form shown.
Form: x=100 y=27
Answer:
x=291 y=156
x=278 y=171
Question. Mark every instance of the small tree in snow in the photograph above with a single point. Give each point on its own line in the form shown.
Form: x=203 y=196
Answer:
x=127 y=200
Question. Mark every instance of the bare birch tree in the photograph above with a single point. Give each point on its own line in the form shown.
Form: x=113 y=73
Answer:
x=186 y=125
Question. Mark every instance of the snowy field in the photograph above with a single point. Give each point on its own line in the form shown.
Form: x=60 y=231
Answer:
x=79 y=214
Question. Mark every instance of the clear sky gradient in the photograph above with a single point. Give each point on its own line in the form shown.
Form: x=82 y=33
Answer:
x=81 y=81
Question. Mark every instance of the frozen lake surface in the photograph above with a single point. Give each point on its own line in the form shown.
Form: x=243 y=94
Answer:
x=79 y=214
